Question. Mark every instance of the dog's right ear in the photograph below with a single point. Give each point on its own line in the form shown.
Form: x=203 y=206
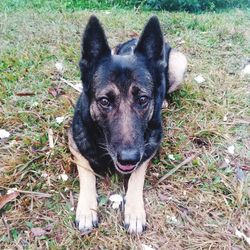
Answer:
x=94 y=43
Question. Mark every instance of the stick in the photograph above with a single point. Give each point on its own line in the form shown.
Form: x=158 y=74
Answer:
x=34 y=193
x=51 y=140
x=30 y=192
x=172 y=171
x=71 y=85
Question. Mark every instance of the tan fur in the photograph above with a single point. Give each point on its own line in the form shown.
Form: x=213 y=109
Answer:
x=134 y=215
x=126 y=126
x=86 y=212
x=110 y=87
x=176 y=70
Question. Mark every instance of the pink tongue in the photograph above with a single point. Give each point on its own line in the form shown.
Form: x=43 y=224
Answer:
x=126 y=167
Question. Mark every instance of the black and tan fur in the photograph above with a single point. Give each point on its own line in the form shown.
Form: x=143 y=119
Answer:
x=117 y=121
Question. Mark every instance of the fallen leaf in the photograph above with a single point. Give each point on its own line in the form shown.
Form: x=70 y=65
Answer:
x=116 y=200
x=4 y=134
x=230 y=149
x=38 y=231
x=60 y=119
x=53 y=92
x=146 y=247
x=171 y=157
x=7 y=198
x=199 y=79
x=56 y=91
x=246 y=70
x=63 y=177
x=245 y=168
x=171 y=219
x=59 y=67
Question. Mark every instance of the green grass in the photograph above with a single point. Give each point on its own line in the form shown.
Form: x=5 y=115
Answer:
x=197 y=6
x=206 y=197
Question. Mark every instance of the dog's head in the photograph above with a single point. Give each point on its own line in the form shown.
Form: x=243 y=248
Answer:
x=123 y=91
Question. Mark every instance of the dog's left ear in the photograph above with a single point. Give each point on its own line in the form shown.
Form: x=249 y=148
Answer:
x=151 y=41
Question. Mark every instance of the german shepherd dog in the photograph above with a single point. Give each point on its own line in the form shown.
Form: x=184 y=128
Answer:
x=117 y=120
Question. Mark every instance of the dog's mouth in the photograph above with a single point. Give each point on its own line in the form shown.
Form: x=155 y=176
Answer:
x=127 y=169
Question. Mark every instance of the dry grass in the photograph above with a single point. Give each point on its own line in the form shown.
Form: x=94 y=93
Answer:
x=199 y=207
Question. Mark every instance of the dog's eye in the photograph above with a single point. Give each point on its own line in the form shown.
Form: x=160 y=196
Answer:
x=104 y=102
x=143 y=100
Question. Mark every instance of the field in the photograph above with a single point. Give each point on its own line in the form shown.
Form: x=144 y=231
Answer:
x=201 y=205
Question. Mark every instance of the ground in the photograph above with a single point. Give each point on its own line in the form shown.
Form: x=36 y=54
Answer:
x=202 y=205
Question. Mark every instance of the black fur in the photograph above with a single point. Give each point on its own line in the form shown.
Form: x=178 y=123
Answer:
x=143 y=62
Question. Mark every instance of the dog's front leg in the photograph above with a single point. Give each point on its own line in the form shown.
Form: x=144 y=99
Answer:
x=134 y=215
x=86 y=212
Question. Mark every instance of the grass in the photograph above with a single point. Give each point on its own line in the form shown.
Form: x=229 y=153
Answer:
x=199 y=207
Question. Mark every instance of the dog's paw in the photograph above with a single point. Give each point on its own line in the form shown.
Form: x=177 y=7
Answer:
x=86 y=215
x=134 y=217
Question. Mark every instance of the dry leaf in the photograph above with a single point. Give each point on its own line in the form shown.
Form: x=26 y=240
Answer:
x=60 y=119
x=4 y=134
x=116 y=200
x=199 y=79
x=230 y=150
x=146 y=247
x=245 y=168
x=38 y=231
x=7 y=198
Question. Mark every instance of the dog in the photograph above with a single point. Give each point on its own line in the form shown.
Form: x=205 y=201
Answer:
x=117 y=119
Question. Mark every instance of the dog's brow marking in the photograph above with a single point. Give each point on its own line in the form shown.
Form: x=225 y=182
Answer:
x=86 y=214
x=111 y=87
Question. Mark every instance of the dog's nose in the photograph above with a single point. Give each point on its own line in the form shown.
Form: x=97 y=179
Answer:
x=128 y=156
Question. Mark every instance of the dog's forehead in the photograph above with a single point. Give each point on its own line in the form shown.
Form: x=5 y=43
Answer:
x=120 y=73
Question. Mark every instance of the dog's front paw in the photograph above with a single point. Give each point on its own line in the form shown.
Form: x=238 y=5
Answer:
x=134 y=217
x=86 y=215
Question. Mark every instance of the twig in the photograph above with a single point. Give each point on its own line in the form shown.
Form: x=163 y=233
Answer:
x=172 y=171
x=24 y=166
x=71 y=85
x=51 y=140
x=34 y=193
x=30 y=192
x=5 y=223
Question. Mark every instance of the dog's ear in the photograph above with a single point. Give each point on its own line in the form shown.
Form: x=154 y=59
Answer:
x=94 y=42
x=151 y=41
